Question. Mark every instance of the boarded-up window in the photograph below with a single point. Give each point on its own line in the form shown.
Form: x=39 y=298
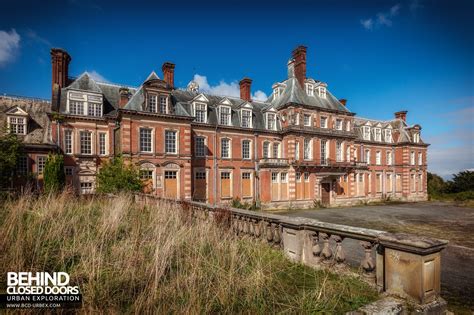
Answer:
x=246 y=184
x=171 y=184
x=369 y=183
x=283 y=186
x=307 y=189
x=275 y=190
x=225 y=185
x=378 y=182
x=299 y=186
x=389 y=183
x=420 y=182
x=360 y=185
x=200 y=185
x=413 y=183
x=398 y=180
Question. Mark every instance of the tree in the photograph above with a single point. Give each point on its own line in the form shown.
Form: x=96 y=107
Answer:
x=436 y=184
x=114 y=176
x=10 y=147
x=53 y=175
x=462 y=181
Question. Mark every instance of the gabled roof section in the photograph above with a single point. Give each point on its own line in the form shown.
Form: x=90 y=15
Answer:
x=85 y=83
x=137 y=100
x=201 y=98
x=152 y=76
x=16 y=110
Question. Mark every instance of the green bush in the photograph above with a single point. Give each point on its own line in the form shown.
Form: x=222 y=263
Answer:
x=10 y=147
x=114 y=176
x=53 y=175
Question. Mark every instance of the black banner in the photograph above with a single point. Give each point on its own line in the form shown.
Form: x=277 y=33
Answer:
x=27 y=301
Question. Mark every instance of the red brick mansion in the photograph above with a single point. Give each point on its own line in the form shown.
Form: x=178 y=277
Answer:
x=300 y=146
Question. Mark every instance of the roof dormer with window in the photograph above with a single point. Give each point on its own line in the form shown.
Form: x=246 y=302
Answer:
x=199 y=105
x=85 y=104
x=322 y=91
x=17 y=121
x=225 y=115
x=271 y=120
x=366 y=132
x=278 y=89
x=246 y=116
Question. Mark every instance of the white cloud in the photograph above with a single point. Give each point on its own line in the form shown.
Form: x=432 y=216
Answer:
x=381 y=18
x=34 y=36
x=225 y=89
x=9 y=46
x=97 y=76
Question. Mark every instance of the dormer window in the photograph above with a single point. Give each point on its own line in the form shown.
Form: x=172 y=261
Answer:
x=152 y=103
x=388 y=135
x=17 y=125
x=164 y=104
x=338 y=124
x=224 y=115
x=246 y=118
x=366 y=132
x=321 y=91
x=271 y=121
x=200 y=112
x=309 y=89
x=85 y=104
x=276 y=93
x=378 y=134
x=416 y=137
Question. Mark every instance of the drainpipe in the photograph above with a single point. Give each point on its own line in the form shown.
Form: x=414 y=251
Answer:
x=214 y=184
x=257 y=174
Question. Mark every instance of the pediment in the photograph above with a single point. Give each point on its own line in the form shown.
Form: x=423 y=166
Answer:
x=225 y=101
x=16 y=111
x=201 y=98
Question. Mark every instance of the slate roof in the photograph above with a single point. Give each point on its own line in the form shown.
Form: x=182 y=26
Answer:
x=39 y=125
x=398 y=125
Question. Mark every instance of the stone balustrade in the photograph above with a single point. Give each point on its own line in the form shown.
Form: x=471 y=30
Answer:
x=402 y=265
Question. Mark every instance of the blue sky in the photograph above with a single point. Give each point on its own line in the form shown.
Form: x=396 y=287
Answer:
x=383 y=56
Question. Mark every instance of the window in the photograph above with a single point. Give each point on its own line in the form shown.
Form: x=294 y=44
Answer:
x=388 y=135
x=22 y=165
x=200 y=146
x=323 y=152
x=420 y=182
x=200 y=111
x=389 y=183
x=225 y=148
x=366 y=133
x=378 y=182
x=298 y=177
x=297 y=115
x=266 y=149
x=283 y=177
x=145 y=140
x=367 y=156
x=146 y=174
x=225 y=185
x=17 y=125
x=200 y=175
x=339 y=151
x=68 y=141
x=369 y=180
x=69 y=170
x=86 y=142
x=276 y=150
x=170 y=142
x=276 y=93
x=41 y=162
x=94 y=109
x=398 y=182
x=416 y=137
x=86 y=188
x=246 y=118
x=307 y=120
x=163 y=104
x=413 y=183
x=152 y=103
x=309 y=89
x=307 y=149
x=348 y=154
x=348 y=126
x=324 y=122
x=378 y=134
x=389 y=157
x=76 y=107
x=378 y=158
x=412 y=158
x=271 y=123
x=306 y=177
x=171 y=174
x=224 y=115
x=246 y=184
x=420 y=158
x=245 y=175
x=355 y=154
x=246 y=149
x=102 y=143
x=322 y=92
x=297 y=151
x=338 y=124
x=274 y=177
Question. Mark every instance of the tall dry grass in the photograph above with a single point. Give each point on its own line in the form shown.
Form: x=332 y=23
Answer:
x=142 y=259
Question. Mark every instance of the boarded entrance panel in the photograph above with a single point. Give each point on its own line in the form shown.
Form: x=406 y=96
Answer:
x=171 y=184
x=325 y=189
x=299 y=187
x=275 y=193
x=246 y=185
x=225 y=185
x=307 y=189
x=200 y=186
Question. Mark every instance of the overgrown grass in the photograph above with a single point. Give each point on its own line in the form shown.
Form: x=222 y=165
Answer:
x=464 y=198
x=142 y=259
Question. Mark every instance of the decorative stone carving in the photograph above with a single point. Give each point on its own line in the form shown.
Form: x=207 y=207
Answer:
x=316 y=248
x=367 y=263
x=339 y=252
x=326 y=253
x=269 y=232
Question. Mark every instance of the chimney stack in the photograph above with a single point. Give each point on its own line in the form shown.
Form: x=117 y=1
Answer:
x=299 y=56
x=124 y=96
x=343 y=101
x=245 y=85
x=401 y=115
x=168 y=73
x=60 y=69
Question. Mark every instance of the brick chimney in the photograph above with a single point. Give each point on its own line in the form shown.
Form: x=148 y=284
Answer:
x=168 y=73
x=60 y=69
x=124 y=96
x=401 y=115
x=343 y=101
x=299 y=56
x=245 y=85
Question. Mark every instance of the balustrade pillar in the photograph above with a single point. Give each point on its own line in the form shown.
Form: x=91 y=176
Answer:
x=326 y=253
x=368 y=264
x=339 y=252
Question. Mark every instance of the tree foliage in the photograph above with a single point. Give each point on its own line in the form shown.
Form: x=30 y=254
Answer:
x=436 y=184
x=462 y=181
x=10 y=147
x=53 y=175
x=114 y=176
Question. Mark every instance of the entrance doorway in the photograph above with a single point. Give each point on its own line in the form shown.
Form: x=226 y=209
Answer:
x=325 y=193
x=171 y=184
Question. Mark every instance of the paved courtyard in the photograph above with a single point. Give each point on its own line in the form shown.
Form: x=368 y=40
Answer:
x=434 y=219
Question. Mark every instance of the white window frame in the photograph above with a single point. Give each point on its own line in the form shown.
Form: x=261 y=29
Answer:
x=348 y=154
x=244 y=157
x=152 y=102
x=324 y=152
x=91 y=134
x=40 y=165
x=176 y=137
x=388 y=135
x=297 y=150
x=87 y=99
x=16 y=124
x=152 y=139
x=309 y=89
x=325 y=120
x=412 y=158
x=195 y=105
x=378 y=134
x=307 y=120
x=229 y=115
x=229 y=148
x=200 y=152
x=389 y=158
x=420 y=158
x=339 y=151
x=416 y=137
x=68 y=144
x=367 y=156
x=267 y=120
x=322 y=92
x=378 y=157
x=166 y=103
x=278 y=146
x=266 y=149
x=242 y=118
x=307 y=149
x=105 y=146
x=366 y=132
x=338 y=125
x=348 y=125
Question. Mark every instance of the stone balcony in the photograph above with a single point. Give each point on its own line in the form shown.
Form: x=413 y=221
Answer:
x=273 y=162
x=319 y=131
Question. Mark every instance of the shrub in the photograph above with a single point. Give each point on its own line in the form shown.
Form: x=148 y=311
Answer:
x=53 y=176
x=114 y=176
x=10 y=147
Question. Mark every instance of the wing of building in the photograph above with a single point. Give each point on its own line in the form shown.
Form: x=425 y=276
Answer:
x=301 y=146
